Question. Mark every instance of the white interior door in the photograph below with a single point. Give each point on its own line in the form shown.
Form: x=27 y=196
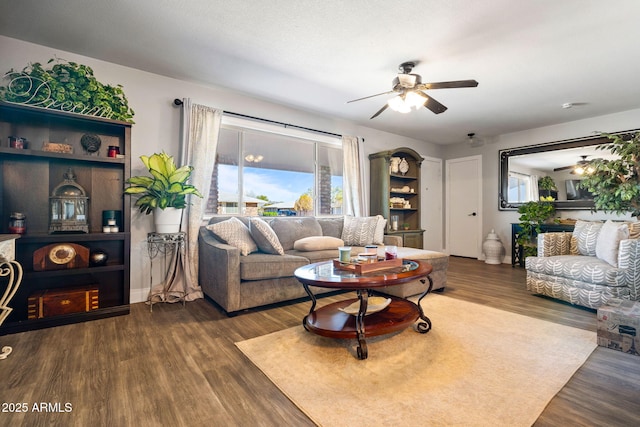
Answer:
x=464 y=206
x=431 y=202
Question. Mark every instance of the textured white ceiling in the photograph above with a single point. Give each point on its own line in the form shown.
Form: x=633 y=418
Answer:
x=529 y=57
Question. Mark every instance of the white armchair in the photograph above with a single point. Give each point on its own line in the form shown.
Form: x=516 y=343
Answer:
x=597 y=262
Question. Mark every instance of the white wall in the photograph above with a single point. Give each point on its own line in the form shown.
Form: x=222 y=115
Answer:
x=500 y=221
x=158 y=122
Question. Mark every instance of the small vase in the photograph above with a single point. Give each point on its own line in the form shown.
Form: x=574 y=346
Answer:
x=403 y=166
x=167 y=220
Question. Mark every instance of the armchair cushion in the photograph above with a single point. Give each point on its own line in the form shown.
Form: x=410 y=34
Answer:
x=554 y=243
x=609 y=240
x=586 y=233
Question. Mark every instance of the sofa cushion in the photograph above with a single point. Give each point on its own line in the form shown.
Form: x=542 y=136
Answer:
x=316 y=256
x=265 y=237
x=261 y=266
x=317 y=243
x=586 y=234
x=332 y=226
x=291 y=229
x=577 y=267
x=609 y=239
x=359 y=231
x=233 y=232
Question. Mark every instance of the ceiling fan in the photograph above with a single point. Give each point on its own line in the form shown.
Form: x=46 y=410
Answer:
x=579 y=168
x=410 y=92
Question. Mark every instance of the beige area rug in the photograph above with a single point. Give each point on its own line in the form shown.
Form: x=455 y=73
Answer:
x=478 y=366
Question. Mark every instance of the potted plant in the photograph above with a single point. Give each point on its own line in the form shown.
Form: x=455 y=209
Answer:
x=405 y=226
x=615 y=184
x=164 y=192
x=532 y=216
x=547 y=187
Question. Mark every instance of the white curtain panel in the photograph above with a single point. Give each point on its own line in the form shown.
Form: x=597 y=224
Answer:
x=199 y=140
x=533 y=188
x=353 y=176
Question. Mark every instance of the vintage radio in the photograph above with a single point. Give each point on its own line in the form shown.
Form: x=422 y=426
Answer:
x=54 y=302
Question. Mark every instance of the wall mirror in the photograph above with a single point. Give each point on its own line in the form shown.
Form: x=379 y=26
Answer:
x=522 y=167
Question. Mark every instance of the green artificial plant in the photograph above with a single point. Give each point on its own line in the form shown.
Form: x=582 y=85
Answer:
x=532 y=216
x=66 y=86
x=166 y=187
x=547 y=183
x=615 y=184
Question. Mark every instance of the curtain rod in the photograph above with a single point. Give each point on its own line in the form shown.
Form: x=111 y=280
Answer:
x=286 y=125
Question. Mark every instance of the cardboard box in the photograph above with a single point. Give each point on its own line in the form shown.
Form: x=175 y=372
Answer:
x=54 y=302
x=619 y=326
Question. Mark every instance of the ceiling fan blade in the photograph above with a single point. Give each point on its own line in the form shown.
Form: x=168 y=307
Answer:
x=371 y=96
x=379 y=111
x=448 y=85
x=564 y=168
x=431 y=103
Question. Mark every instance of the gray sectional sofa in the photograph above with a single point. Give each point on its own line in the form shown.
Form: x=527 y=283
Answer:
x=237 y=282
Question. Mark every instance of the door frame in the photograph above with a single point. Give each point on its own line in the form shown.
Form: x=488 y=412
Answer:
x=478 y=159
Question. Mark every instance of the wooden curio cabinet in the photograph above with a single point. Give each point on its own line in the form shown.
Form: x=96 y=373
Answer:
x=395 y=191
x=28 y=175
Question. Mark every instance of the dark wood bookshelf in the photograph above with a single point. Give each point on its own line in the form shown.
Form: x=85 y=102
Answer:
x=28 y=177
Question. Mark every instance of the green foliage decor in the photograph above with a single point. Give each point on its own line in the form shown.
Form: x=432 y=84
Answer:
x=166 y=187
x=615 y=184
x=66 y=86
x=547 y=183
x=532 y=216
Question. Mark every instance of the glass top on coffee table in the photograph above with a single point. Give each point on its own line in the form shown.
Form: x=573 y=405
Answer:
x=325 y=274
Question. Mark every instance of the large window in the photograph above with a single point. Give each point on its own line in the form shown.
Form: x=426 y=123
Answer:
x=265 y=173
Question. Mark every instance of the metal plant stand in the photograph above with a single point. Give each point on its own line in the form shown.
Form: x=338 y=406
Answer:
x=169 y=247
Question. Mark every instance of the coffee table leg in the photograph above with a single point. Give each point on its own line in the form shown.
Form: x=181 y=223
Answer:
x=363 y=296
x=313 y=304
x=424 y=325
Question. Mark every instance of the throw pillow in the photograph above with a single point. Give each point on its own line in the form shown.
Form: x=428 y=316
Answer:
x=265 y=237
x=586 y=232
x=359 y=231
x=609 y=240
x=233 y=232
x=634 y=230
x=317 y=243
x=378 y=235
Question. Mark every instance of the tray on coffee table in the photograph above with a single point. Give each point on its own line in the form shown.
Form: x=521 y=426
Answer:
x=361 y=268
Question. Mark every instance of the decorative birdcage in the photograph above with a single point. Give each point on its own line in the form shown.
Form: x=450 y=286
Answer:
x=68 y=206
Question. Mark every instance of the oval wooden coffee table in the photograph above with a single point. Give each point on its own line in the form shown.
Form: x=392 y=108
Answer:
x=331 y=321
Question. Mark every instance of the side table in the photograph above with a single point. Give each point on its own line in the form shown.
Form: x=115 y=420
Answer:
x=170 y=247
x=11 y=269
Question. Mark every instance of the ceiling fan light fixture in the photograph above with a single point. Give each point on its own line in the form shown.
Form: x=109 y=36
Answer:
x=254 y=159
x=404 y=104
x=414 y=100
x=398 y=104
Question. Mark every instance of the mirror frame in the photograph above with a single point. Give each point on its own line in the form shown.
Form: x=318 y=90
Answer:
x=504 y=205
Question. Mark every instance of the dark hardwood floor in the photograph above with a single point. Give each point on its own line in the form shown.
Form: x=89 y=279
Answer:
x=179 y=366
